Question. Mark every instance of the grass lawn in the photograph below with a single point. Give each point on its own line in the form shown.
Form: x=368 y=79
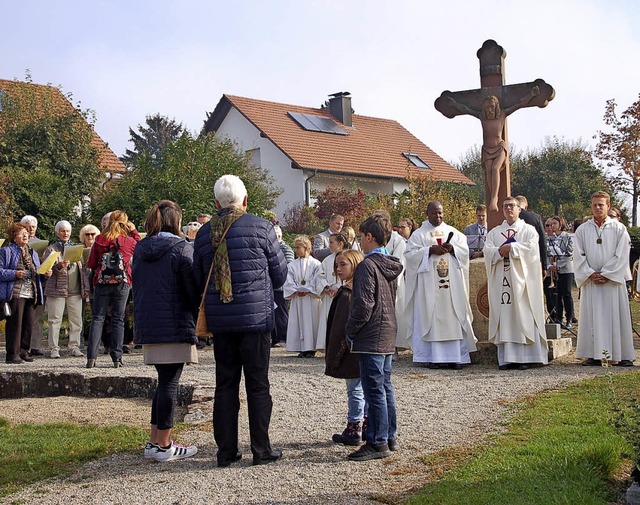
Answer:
x=561 y=447
x=29 y=452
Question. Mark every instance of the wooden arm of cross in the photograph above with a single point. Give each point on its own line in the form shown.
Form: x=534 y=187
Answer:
x=452 y=104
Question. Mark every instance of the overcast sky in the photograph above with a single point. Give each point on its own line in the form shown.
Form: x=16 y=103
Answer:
x=127 y=60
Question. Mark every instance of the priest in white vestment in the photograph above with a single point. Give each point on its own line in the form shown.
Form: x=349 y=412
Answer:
x=301 y=287
x=516 y=313
x=601 y=265
x=437 y=309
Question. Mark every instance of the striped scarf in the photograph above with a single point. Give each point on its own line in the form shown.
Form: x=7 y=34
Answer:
x=222 y=271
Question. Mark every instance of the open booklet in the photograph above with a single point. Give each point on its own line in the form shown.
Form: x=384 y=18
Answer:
x=38 y=246
x=49 y=262
x=73 y=253
x=1 y=242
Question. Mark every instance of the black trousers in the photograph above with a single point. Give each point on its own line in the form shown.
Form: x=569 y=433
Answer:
x=564 y=300
x=279 y=332
x=163 y=405
x=234 y=353
x=18 y=326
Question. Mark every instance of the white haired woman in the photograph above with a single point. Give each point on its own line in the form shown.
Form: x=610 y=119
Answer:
x=64 y=289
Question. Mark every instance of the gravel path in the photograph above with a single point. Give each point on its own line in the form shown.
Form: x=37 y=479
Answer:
x=437 y=409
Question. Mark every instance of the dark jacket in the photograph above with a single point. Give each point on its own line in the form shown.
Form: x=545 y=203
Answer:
x=126 y=245
x=372 y=326
x=9 y=257
x=530 y=217
x=165 y=295
x=340 y=363
x=257 y=268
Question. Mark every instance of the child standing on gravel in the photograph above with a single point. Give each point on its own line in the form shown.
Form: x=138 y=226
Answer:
x=371 y=333
x=340 y=363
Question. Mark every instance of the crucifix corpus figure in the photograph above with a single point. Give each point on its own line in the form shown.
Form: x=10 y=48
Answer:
x=491 y=104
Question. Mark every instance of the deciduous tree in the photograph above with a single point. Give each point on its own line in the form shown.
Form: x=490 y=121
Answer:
x=558 y=178
x=619 y=149
x=189 y=168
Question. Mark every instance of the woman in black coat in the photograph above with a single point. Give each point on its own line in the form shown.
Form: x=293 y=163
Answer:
x=340 y=363
x=165 y=301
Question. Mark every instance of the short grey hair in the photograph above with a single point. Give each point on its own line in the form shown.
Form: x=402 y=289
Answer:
x=104 y=222
x=62 y=223
x=29 y=220
x=229 y=190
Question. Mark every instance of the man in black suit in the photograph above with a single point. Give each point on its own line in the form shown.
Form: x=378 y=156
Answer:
x=530 y=217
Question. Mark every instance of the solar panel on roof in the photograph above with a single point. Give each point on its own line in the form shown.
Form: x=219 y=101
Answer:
x=317 y=123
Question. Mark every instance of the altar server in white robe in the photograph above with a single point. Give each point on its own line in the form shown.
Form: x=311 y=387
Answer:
x=328 y=284
x=516 y=313
x=396 y=247
x=301 y=287
x=437 y=308
x=601 y=264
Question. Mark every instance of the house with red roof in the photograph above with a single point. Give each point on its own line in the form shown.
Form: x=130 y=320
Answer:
x=307 y=148
x=108 y=162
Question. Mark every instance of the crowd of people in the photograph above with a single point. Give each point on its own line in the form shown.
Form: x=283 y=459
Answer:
x=356 y=298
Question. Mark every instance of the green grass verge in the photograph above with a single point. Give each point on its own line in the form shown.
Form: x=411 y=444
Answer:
x=30 y=453
x=561 y=447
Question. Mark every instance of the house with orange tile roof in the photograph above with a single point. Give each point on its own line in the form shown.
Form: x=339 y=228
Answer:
x=108 y=162
x=307 y=148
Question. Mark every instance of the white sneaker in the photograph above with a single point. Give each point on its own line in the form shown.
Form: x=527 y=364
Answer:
x=54 y=354
x=76 y=352
x=175 y=451
x=150 y=450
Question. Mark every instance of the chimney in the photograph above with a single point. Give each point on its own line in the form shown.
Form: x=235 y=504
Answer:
x=340 y=107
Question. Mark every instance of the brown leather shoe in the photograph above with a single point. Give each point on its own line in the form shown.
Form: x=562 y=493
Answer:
x=24 y=356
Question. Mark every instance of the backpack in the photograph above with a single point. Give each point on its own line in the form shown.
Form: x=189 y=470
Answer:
x=112 y=269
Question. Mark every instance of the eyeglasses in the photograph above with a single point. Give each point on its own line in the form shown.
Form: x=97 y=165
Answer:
x=509 y=205
x=89 y=234
x=548 y=224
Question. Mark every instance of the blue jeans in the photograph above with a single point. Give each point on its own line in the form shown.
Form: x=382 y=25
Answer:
x=104 y=295
x=355 y=400
x=375 y=374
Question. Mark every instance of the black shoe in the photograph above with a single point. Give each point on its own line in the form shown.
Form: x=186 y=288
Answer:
x=126 y=350
x=624 y=362
x=455 y=366
x=36 y=352
x=137 y=347
x=523 y=366
x=200 y=345
x=368 y=452
x=269 y=457
x=224 y=463
x=567 y=326
x=505 y=367
x=591 y=362
x=393 y=444
x=24 y=356
x=14 y=360
x=574 y=320
x=309 y=354
x=117 y=363
x=434 y=366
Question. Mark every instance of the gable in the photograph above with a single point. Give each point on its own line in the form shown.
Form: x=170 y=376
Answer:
x=107 y=159
x=371 y=147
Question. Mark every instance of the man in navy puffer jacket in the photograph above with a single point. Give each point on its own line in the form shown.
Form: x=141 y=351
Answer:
x=239 y=305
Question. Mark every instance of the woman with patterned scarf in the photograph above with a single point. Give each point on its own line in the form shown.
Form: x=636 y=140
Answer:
x=21 y=287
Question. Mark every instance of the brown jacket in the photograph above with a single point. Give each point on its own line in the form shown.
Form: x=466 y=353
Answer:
x=340 y=363
x=58 y=284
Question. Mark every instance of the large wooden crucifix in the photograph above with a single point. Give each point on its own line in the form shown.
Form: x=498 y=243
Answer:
x=491 y=104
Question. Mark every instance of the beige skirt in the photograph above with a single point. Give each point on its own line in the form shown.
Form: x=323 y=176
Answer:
x=165 y=354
